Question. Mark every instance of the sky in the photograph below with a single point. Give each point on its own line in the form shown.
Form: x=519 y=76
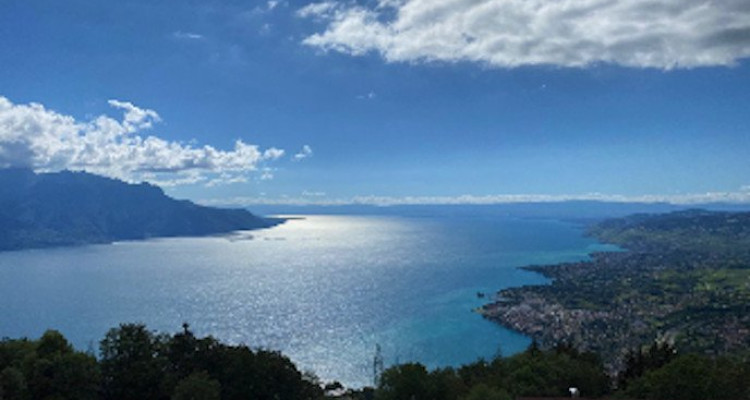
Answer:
x=384 y=101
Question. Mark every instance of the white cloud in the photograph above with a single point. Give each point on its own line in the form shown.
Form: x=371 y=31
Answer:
x=34 y=137
x=267 y=174
x=181 y=178
x=227 y=179
x=273 y=153
x=268 y=7
x=369 y=96
x=304 y=153
x=323 y=9
x=187 y=35
x=661 y=34
x=135 y=118
x=311 y=198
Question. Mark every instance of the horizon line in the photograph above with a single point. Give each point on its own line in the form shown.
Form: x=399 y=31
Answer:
x=741 y=197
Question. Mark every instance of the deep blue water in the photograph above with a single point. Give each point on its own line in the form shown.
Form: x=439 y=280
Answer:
x=324 y=290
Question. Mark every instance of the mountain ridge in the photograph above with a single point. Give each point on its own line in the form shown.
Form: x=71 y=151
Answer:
x=73 y=208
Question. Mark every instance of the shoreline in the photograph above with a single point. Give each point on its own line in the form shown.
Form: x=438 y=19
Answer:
x=523 y=310
x=273 y=222
x=681 y=279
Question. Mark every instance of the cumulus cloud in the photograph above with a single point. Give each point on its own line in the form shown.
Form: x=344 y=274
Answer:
x=135 y=118
x=304 y=153
x=32 y=136
x=273 y=153
x=662 y=34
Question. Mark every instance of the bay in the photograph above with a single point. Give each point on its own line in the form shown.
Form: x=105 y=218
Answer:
x=324 y=290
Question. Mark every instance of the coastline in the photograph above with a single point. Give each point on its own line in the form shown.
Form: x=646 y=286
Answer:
x=273 y=221
x=531 y=310
x=683 y=279
x=526 y=310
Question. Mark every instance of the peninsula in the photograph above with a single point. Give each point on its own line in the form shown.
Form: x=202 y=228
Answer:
x=683 y=278
x=73 y=208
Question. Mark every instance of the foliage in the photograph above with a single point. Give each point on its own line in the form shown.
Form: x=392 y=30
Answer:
x=531 y=373
x=136 y=363
x=132 y=365
x=638 y=362
x=46 y=369
x=693 y=377
x=654 y=372
x=484 y=392
x=197 y=386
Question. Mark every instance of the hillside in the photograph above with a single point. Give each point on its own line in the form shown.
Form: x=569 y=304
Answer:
x=71 y=208
x=684 y=279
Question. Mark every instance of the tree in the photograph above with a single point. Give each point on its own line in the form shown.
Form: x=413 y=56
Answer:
x=638 y=362
x=552 y=373
x=405 y=381
x=181 y=351
x=132 y=363
x=52 y=343
x=12 y=384
x=694 y=377
x=197 y=386
x=48 y=368
x=70 y=375
x=484 y=392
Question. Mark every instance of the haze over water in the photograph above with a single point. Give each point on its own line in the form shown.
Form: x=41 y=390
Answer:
x=324 y=290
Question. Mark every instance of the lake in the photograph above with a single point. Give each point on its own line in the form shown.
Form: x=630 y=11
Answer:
x=324 y=290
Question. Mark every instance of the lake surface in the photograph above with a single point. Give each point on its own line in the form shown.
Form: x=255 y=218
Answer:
x=324 y=290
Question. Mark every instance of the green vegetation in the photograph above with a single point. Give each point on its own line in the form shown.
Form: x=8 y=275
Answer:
x=655 y=372
x=137 y=364
x=660 y=373
x=695 y=231
x=684 y=279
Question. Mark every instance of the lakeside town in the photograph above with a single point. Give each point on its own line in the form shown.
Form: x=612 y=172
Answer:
x=684 y=280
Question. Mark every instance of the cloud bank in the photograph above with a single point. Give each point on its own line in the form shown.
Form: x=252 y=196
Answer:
x=32 y=136
x=662 y=34
x=739 y=197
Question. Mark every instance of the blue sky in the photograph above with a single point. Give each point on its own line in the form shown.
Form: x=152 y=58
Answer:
x=389 y=101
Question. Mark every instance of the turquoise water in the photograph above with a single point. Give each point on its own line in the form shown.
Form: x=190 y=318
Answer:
x=324 y=290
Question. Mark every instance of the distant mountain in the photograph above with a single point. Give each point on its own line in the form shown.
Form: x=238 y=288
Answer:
x=71 y=208
x=571 y=210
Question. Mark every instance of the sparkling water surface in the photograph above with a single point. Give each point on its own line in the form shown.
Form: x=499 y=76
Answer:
x=324 y=290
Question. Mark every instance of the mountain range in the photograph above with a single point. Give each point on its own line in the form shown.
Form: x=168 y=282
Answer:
x=72 y=208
